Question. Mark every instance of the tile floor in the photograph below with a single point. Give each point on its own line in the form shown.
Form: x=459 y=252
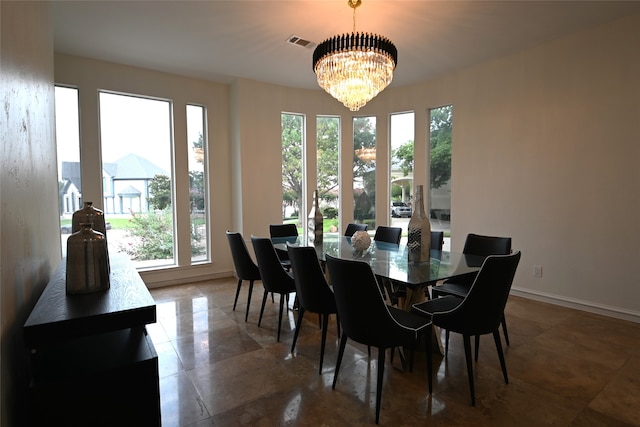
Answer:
x=566 y=368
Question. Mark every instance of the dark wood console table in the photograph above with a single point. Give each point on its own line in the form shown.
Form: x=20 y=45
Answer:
x=91 y=360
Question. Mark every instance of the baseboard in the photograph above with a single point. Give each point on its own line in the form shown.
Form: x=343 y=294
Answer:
x=588 y=306
x=182 y=280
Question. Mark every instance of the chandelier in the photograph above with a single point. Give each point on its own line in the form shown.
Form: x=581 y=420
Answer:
x=354 y=68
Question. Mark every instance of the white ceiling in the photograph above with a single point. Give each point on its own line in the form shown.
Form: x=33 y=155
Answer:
x=220 y=40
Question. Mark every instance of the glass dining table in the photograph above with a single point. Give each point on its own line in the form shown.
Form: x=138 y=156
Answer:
x=391 y=261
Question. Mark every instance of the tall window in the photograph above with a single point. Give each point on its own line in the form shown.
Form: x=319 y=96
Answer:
x=401 y=164
x=136 y=140
x=441 y=123
x=196 y=138
x=292 y=171
x=364 y=171
x=328 y=143
x=68 y=147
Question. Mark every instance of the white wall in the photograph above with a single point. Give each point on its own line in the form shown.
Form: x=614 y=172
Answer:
x=30 y=236
x=546 y=150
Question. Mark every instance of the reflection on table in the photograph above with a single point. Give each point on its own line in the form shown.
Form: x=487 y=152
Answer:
x=392 y=261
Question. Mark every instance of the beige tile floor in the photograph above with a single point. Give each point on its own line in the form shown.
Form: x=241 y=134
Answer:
x=566 y=368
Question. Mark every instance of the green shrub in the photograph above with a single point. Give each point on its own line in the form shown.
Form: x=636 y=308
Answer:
x=151 y=237
x=330 y=213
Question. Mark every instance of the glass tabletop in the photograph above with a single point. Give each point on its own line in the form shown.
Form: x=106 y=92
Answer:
x=392 y=261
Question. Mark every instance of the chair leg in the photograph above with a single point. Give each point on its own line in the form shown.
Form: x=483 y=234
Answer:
x=504 y=329
x=477 y=349
x=343 y=344
x=381 y=353
x=503 y=365
x=403 y=361
x=338 y=324
x=264 y=300
x=429 y=351
x=282 y=298
x=325 y=325
x=298 y=326
x=446 y=342
x=235 y=301
x=467 y=354
x=246 y=316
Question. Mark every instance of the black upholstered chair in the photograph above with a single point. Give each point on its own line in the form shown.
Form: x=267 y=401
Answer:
x=480 y=312
x=475 y=244
x=366 y=319
x=352 y=228
x=281 y=231
x=388 y=234
x=437 y=240
x=312 y=290
x=246 y=269
x=275 y=278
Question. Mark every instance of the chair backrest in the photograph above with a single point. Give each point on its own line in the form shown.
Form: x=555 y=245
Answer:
x=352 y=228
x=476 y=244
x=437 y=240
x=246 y=269
x=482 y=309
x=364 y=316
x=283 y=230
x=274 y=276
x=312 y=289
x=388 y=234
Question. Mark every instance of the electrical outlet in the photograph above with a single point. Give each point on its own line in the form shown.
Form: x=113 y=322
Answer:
x=537 y=271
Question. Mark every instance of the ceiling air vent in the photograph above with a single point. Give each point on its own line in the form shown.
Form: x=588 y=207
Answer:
x=300 y=42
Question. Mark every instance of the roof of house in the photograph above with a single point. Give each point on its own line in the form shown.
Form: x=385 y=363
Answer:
x=133 y=166
x=129 y=167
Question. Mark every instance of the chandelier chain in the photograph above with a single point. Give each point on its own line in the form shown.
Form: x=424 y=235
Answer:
x=354 y=19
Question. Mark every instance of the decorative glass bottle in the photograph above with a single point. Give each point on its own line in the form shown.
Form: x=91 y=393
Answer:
x=419 y=230
x=87 y=261
x=315 y=220
x=93 y=216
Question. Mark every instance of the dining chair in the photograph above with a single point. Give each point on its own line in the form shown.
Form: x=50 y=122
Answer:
x=366 y=319
x=388 y=234
x=437 y=240
x=281 y=231
x=480 y=312
x=475 y=244
x=312 y=290
x=353 y=227
x=246 y=269
x=275 y=278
